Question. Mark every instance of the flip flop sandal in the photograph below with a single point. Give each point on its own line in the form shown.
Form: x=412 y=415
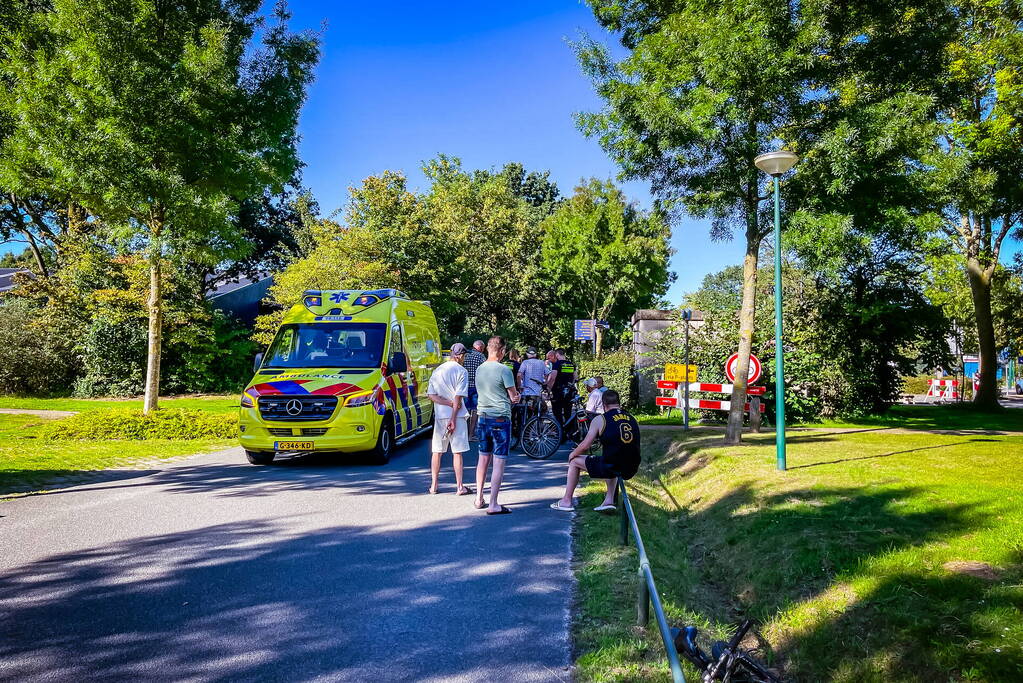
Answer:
x=433 y=491
x=465 y=491
x=558 y=506
x=480 y=506
x=605 y=508
x=502 y=511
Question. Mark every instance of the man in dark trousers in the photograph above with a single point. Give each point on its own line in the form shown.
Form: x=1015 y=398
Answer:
x=561 y=383
x=619 y=438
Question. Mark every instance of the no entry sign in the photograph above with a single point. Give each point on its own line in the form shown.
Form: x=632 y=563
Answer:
x=733 y=362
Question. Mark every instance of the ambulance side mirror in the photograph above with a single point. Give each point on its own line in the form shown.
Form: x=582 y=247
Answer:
x=256 y=363
x=397 y=363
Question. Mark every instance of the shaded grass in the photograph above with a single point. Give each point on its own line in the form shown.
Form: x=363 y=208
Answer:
x=216 y=404
x=841 y=560
x=28 y=463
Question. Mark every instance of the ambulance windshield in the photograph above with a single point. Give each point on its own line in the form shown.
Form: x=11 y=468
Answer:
x=327 y=345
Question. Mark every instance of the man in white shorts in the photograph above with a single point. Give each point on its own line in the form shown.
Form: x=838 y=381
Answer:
x=448 y=388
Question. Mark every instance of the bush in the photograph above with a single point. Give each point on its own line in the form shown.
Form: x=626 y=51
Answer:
x=175 y=423
x=616 y=368
x=916 y=385
x=35 y=355
x=114 y=352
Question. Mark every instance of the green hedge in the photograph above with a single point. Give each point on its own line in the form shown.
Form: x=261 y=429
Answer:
x=177 y=424
x=616 y=369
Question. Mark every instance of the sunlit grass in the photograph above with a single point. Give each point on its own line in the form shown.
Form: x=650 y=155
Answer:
x=847 y=561
x=218 y=404
x=28 y=463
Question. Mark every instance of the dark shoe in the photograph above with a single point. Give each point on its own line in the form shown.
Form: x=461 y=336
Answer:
x=502 y=511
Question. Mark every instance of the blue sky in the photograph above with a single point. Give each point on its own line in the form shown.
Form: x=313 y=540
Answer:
x=400 y=83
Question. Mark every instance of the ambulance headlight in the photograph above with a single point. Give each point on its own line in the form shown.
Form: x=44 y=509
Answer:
x=246 y=401
x=361 y=399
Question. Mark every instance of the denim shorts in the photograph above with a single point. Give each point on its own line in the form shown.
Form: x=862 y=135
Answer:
x=494 y=435
x=470 y=400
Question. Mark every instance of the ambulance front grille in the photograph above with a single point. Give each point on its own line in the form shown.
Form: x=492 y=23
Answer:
x=296 y=408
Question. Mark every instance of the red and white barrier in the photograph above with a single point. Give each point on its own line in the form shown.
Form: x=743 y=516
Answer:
x=678 y=400
x=943 y=389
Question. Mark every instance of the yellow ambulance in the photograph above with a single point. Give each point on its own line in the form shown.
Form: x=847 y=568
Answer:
x=347 y=372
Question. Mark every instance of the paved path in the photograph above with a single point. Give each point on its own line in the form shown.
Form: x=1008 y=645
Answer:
x=213 y=569
x=50 y=414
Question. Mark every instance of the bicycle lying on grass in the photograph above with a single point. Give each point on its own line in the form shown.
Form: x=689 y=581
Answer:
x=727 y=661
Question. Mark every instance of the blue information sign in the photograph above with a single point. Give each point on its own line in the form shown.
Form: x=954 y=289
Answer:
x=584 y=330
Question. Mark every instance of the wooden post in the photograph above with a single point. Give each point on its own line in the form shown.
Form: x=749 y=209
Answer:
x=754 y=414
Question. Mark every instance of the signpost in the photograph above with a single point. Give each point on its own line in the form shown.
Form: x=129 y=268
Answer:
x=585 y=330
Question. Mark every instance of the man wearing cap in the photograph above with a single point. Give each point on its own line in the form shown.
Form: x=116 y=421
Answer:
x=448 y=389
x=532 y=374
x=594 y=397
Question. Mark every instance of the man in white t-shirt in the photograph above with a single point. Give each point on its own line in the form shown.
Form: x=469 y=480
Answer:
x=448 y=388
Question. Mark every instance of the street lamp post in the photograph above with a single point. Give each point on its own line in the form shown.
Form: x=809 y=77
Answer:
x=687 y=315
x=775 y=164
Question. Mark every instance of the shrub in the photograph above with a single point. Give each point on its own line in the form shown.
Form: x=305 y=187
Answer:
x=117 y=424
x=916 y=385
x=36 y=357
x=616 y=368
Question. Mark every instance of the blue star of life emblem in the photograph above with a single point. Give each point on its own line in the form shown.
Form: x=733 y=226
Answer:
x=338 y=297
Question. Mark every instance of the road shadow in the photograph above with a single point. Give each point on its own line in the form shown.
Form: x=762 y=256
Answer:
x=255 y=601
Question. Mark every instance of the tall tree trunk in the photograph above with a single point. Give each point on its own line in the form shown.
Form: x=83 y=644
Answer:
x=598 y=333
x=733 y=433
x=155 y=346
x=980 y=289
x=36 y=254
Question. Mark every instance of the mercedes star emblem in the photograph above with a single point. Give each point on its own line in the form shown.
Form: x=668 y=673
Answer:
x=294 y=407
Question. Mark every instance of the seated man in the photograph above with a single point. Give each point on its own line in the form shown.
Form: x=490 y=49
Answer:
x=619 y=438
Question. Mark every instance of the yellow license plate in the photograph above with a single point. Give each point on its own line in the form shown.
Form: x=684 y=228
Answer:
x=293 y=445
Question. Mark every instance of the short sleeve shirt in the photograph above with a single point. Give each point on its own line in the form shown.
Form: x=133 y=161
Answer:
x=492 y=383
x=532 y=368
x=449 y=380
x=473 y=360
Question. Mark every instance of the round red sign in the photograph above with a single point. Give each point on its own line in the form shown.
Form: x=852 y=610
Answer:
x=733 y=362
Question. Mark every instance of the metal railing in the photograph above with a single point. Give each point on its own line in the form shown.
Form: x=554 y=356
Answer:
x=647 y=594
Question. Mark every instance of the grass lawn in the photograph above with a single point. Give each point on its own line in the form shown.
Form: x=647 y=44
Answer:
x=217 y=404
x=31 y=464
x=881 y=555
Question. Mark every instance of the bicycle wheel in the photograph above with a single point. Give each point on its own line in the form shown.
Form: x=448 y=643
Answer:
x=541 y=437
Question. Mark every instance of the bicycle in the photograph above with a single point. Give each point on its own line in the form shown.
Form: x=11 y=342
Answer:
x=529 y=407
x=727 y=661
x=543 y=434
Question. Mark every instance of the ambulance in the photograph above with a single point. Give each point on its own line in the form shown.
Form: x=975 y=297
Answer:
x=347 y=372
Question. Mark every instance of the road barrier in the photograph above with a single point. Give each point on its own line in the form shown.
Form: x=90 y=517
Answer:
x=944 y=389
x=647 y=589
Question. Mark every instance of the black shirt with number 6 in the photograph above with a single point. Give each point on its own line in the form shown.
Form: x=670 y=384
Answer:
x=620 y=442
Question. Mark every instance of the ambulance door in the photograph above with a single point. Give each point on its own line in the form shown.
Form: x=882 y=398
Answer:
x=419 y=373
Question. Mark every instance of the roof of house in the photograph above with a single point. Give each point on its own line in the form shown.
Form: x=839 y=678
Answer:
x=234 y=285
x=7 y=277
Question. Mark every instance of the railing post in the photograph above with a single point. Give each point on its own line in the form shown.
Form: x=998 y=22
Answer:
x=623 y=522
x=642 y=601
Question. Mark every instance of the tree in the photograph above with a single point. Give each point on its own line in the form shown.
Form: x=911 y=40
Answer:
x=159 y=118
x=604 y=256
x=705 y=88
x=978 y=169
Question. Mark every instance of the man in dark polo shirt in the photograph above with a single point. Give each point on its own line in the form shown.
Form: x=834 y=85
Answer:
x=619 y=438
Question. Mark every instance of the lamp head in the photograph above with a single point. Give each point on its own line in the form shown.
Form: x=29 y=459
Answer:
x=776 y=163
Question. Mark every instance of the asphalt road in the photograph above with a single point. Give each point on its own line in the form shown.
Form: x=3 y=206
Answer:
x=314 y=569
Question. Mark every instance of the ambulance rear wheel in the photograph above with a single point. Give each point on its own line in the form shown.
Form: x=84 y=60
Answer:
x=381 y=453
x=259 y=458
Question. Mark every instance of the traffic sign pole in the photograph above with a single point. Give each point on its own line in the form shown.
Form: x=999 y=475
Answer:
x=687 y=314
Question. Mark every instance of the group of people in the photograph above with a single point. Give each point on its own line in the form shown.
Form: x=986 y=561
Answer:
x=486 y=382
